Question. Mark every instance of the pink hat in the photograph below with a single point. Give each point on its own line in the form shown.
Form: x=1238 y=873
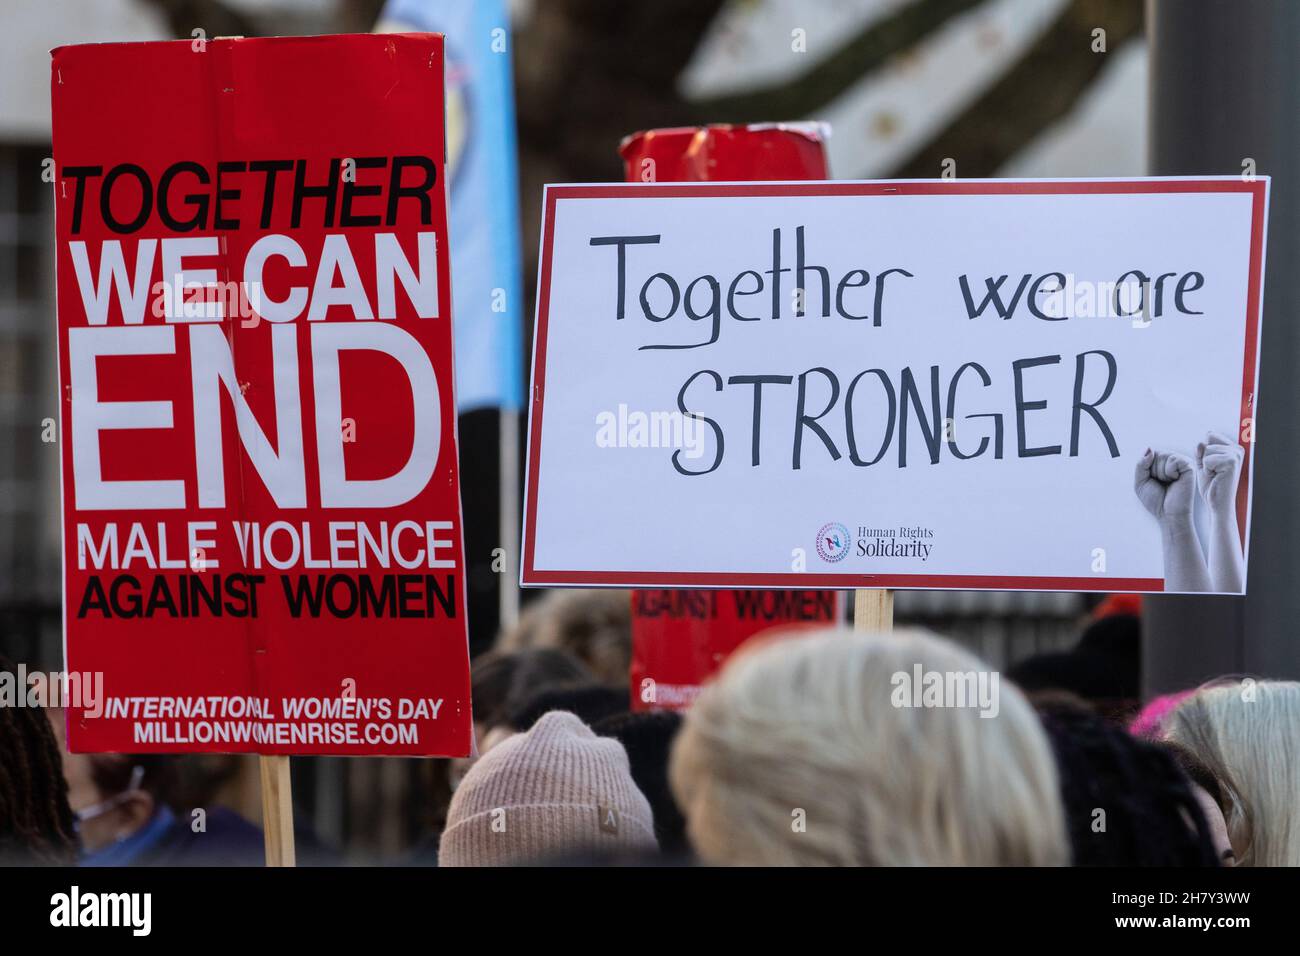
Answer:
x=1150 y=721
x=557 y=789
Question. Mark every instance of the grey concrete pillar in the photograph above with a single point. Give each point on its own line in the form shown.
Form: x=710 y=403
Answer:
x=1224 y=89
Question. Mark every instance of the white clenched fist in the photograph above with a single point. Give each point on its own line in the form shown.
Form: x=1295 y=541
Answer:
x=1218 y=469
x=1165 y=484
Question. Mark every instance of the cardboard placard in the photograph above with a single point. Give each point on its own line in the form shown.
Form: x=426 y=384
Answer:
x=680 y=638
x=940 y=384
x=261 y=509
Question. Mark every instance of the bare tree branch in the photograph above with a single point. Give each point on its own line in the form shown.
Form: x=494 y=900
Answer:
x=1043 y=87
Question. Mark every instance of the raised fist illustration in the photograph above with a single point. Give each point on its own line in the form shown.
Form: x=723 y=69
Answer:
x=1218 y=469
x=1165 y=484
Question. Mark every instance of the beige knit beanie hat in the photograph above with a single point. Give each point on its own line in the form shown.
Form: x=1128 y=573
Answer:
x=557 y=789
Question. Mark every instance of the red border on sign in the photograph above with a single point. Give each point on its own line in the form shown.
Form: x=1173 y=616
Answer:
x=529 y=574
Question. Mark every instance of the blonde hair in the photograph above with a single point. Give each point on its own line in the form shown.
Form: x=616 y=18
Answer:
x=809 y=724
x=594 y=626
x=1245 y=734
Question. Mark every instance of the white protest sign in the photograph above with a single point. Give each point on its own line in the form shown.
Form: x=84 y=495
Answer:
x=952 y=384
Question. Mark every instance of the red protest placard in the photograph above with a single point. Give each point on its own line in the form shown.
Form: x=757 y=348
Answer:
x=261 y=506
x=680 y=638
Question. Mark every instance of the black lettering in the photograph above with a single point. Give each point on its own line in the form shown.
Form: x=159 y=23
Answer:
x=328 y=191
x=353 y=189
x=417 y=191
x=846 y=284
x=196 y=201
x=1181 y=289
x=1080 y=405
x=758 y=381
x=801 y=268
x=80 y=174
x=803 y=421
x=992 y=295
x=889 y=417
x=732 y=292
x=622 y=242
x=931 y=428
x=717 y=430
x=218 y=220
x=952 y=412
x=106 y=192
x=1017 y=369
x=271 y=167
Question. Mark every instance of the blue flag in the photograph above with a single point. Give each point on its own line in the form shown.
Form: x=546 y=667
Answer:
x=481 y=171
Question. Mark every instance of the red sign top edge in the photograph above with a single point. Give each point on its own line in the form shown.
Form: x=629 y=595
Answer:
x=148 y=46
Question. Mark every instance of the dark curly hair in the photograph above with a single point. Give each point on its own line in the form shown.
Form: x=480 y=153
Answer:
x=35 y=819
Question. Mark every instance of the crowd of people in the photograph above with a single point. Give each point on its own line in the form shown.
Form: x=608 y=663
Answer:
x=802 y=751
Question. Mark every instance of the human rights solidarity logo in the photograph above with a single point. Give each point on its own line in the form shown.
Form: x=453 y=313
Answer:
x=833 y=542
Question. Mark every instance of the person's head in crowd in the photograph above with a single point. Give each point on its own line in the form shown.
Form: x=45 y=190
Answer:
x=648 y=736
x=1209 y=795
x=1245 y=734
x=589 y=702
x=593 y=625
x=555 y=790
x=36 y=822
x=811 y=752
x=1042 y=700
x=1112 y=605
x=500 y=681
x=1127 y=801
x=135 y=810
x=1103 y=668
x=117 y=796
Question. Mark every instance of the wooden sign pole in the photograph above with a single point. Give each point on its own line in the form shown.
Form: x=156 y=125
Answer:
x=873 y=609
x=277 y=810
